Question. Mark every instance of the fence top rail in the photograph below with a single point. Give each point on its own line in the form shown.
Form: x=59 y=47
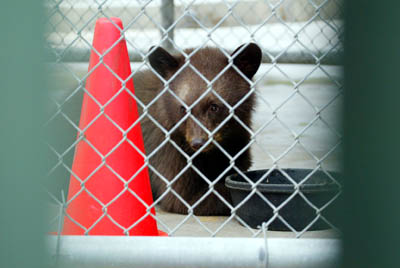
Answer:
x=121 y=251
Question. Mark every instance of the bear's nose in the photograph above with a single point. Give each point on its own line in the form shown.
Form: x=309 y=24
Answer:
x=197 y=143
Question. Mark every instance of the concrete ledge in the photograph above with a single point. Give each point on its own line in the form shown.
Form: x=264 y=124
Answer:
x=314 y=42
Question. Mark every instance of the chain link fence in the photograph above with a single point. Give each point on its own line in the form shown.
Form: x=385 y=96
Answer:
x=297 y=95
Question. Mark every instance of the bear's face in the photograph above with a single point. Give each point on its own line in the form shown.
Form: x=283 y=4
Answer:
x=206 y=92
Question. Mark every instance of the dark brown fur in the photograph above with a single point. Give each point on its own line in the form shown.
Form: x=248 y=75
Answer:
x=210 y=161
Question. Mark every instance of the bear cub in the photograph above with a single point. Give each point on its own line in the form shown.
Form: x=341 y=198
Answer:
x=196 y=128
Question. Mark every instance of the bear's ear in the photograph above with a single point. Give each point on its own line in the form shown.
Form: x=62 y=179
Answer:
x=247 y=59
x=162 y=61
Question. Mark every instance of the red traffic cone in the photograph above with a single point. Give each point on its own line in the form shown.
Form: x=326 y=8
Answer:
x=109 y=189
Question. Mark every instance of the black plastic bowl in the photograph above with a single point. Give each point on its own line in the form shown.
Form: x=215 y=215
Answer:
x=319 y=189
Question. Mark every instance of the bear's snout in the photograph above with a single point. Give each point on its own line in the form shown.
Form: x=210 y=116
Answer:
x=197 y=143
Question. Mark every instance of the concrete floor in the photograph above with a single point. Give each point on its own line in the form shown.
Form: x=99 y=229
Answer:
x=298 y=126
x=182 y=225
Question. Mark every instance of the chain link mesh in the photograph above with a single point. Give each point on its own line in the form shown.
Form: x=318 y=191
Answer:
x=296 y=119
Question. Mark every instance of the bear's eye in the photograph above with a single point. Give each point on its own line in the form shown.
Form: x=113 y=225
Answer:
x=183 y=109
x=214 y=108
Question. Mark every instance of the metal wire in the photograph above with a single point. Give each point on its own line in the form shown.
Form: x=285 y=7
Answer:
x=306 y=31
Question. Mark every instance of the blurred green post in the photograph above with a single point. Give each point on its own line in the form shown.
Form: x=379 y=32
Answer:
x=371 y=215
x=22 y=93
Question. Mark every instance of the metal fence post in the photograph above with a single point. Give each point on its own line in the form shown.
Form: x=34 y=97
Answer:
x=167 y=19
x=22 y=223
x=370 y=213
